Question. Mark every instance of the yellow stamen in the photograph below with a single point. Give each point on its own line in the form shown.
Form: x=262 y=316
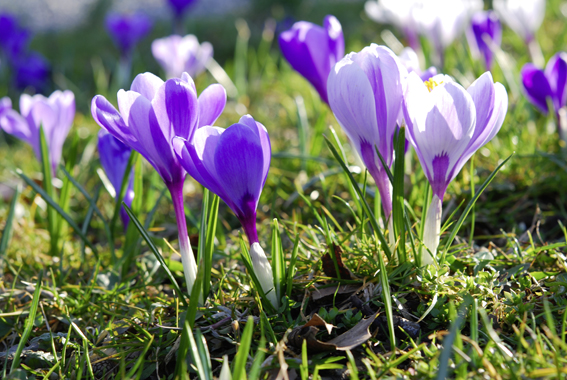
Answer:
x=431 y=84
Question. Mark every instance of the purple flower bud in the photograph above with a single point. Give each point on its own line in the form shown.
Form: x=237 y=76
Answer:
x=114 y=156
x=180 y=6
x=32 y=70
x=541 y=85
x=365 y=94
x=55 y=114
x=127 y=30
x=234 y=163
x=313 y=50
x=447 y=125
x=178 y=54
x=486 y=30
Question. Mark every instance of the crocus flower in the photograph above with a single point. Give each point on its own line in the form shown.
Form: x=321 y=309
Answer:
x=365 y=94
x=402 y=14
x=14 y=40
x=31 y=70
x=313 y=50
x=551 y=83
x=127 y=30
x=446 y=125
x=55 y=114
x=485 y=31
x=178 y=54
x=442 y=21
x=151 y=114
x=114 y=156
x=180 y=6
x=408 y=58
x=523 y=16
x=234 y=164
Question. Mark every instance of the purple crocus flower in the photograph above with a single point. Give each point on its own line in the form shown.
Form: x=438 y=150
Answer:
x=551 y=83
x=14 y=40
x=365 y=94
x=127 y=30
x=313 y=50
x=55 y=114
x=446 y=125
x=151 y=114
x=485 y=31
x=180 y=6
x=178 y=54
x=31 y=70
x=234 y=164
x=114 y=156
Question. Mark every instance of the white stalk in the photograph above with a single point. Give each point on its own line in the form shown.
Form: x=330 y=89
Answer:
x=263 y=271
x=432 y=231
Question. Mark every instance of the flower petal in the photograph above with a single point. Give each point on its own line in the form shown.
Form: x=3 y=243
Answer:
x=536 y=86
x=146 y=84
x=211 y=104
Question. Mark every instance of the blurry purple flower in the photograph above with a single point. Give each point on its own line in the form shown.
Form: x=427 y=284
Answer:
x=234 y=164
x=313 y=50
x=447 y=125
x=5 y=104
x=180 y=6
x=14 y=40
x=551 y=83
x=485 y=29
x=55 y=114
x=114 y=156
x=127 y=30
x=408 y=58
x=523 y=16
x=178 y=54
x=402 y=14
x=151 y=114
x=365 y=94
x=31 y=70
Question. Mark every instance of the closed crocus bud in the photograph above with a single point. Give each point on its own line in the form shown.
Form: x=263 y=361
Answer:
x=114 y=156
x=313 y=50
x=485 y=31
x=408 y=58
x=522 y=16
x=447 y=125
x=234 y=163
x=55 y=114
x=127 y=30
x=180 y=6
x=551 y=83
x=365 y=94
x=178 y=54
x=152 y=113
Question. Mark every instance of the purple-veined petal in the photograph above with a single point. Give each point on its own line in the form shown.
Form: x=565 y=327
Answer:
x=211 y=104
x=556 y=74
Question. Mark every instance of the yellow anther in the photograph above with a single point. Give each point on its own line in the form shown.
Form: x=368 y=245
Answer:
x=431 y=84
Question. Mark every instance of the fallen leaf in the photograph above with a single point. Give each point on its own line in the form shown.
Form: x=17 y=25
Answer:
x=329 y=265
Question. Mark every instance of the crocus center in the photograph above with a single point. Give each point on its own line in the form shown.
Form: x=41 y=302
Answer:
x=431 y=84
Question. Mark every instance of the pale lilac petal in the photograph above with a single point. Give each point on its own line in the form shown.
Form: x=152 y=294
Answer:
x=13 y=123
x=211 y=104
x=146 y=84
x=5 y=103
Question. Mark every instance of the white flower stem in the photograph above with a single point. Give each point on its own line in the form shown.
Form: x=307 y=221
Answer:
x=432 y=231
x=187 y=257
x=263 y=271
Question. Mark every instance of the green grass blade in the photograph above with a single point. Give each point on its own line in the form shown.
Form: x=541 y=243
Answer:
x=29 y=324
x=138 y=366
x=398 y=210
x=213 y=211
x=206 y=371
x=65 y=195
x=120 y=194
x=131 y=246
x=196 y=296
x=201 y=252
x=291 y=267
x=241 y=357
x=48 y=187
x=278 y=260
x=384 y=245
x=302 y=129
x=245 y=254
x=6 y=234
x=256 y=367
x=181 y=365
x=155 y=251
x=465 y=213
x=57 y=208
